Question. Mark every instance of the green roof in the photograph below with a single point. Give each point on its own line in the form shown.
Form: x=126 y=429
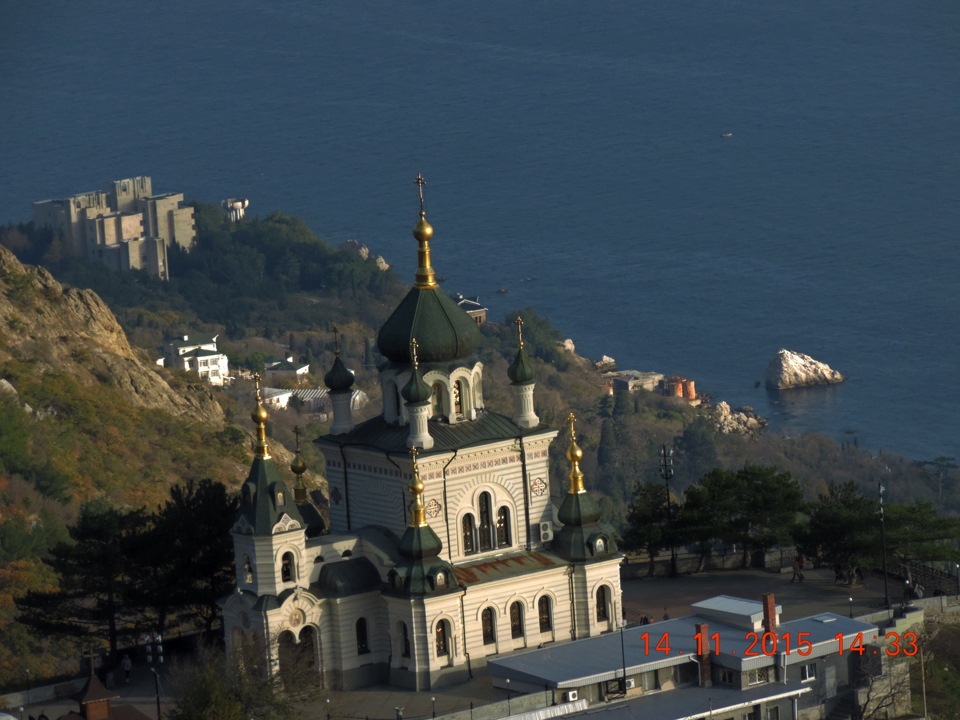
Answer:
x=442 y=328
x=577 y=539
x=489 y=426
x=348 y=577
x=521 y=370
x=265 y=497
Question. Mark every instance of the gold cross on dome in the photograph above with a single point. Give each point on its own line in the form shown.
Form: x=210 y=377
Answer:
x=520 y=329
x=336 y=339
x=256 y=382
x=296 y=432
x=420 y=182
x=413 y=352
x=571 y=421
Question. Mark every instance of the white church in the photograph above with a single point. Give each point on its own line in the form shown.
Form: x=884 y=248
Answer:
x=448 y=542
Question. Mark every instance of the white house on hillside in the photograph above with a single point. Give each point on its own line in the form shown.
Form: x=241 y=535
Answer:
x=197 y=354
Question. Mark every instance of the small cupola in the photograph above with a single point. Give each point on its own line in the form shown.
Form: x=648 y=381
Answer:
x=521 y=373
x=340 y=382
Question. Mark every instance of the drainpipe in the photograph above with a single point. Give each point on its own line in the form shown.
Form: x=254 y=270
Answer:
x=446 y=512
x=573 y=605
x=526 y=490
x=346 y=485
x=463 y=628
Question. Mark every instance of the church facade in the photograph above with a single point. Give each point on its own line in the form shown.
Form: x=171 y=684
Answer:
x=448 y=542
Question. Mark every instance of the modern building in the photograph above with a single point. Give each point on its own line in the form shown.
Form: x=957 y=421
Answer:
x=277 y=371
x=731 y=660
x=471 y=306
x=197 y=354
x=126 y=226
x=448 y=541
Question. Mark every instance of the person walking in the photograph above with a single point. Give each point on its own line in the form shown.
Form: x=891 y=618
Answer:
x=127 y=665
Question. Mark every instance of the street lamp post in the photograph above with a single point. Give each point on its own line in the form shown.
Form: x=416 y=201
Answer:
x=508 y=697
x=155 y=660
x=666 y=472
x=433 y=703
x=851 y=607
x=29 y=684
x=883 y=544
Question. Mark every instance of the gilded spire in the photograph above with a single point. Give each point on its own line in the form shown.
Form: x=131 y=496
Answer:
x=520 y=329
x=299 y=467
x=418 y=514
x=425 y=278
x=259 y=417
x=574 y=455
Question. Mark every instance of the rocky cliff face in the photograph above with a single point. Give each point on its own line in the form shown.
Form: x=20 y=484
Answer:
x=50 y=328
x=790 y=369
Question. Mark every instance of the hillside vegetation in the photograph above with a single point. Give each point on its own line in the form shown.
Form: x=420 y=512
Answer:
x=86 y=416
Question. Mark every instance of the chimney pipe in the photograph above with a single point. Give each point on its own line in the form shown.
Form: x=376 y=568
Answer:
x=769 y=613
x=703 y=658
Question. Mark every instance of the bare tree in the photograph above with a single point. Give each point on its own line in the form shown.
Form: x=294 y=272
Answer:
x=884 y=689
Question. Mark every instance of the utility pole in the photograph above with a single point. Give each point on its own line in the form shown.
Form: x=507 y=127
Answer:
x=883 y=544
x=666 y=472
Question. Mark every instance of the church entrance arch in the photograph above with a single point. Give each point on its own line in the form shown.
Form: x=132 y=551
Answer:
x=299 y=657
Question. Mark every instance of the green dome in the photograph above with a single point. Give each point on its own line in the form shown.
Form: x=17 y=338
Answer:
x=578 y=510
x=339 y=379
x=420 y=543
x=442 y=328
x=416 y=391
x=521 y=371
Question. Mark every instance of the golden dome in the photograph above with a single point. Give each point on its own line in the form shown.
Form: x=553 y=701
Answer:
x=259 y=416
x=574 y=455
x=423 y=230
x=298 y=466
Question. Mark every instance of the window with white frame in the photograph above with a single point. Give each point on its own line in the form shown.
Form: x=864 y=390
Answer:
x=808 y=672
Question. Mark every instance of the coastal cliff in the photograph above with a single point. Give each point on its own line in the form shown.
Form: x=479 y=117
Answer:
x=57 y=329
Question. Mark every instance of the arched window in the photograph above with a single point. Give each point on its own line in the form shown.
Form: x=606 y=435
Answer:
x=486 y=523
x=287 y=568
x=437 y=399
x=516 y=620
x=247 y=570
x=489 y=625
x=442 y=639
x=469 y=534
x=405 y=639
x=458 y=397
x=543 y=610
x=503 y=527
x=362 y=646
x=602 y=613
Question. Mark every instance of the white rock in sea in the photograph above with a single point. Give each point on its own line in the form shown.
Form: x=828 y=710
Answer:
x=790 y=369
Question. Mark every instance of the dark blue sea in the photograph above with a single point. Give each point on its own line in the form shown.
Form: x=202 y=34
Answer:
x=575 y=155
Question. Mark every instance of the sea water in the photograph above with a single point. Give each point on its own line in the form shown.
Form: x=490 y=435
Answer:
x=684 y=186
